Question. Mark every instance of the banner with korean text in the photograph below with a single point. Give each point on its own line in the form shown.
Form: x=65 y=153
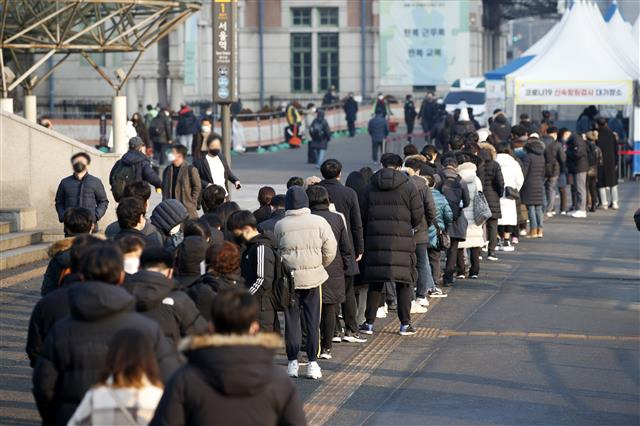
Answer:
x=573 y=92
x=423 y=42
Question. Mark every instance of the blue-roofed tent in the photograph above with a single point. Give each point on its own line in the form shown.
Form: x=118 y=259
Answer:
x=611 y=10
x=509 y=67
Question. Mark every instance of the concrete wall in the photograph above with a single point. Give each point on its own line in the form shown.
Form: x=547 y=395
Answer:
x=33 y=160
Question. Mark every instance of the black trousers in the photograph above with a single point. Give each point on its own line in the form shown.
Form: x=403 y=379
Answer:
x=410 y=125
x=349 y=308
x=351 y=125
x=404 y=294
x=492 y=234
x=592 y=191
x=307 y=303
x=474 y=260
x=450 y=266
x=434 y=262
x=327 y=324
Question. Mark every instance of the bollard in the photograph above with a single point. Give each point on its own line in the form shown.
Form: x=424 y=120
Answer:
x=6 y=104
x=30 y=108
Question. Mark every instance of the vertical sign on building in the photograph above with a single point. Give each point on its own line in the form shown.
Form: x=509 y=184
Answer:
x=225 y=56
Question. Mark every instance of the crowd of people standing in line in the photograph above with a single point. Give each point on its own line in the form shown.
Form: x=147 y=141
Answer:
x=176 y=318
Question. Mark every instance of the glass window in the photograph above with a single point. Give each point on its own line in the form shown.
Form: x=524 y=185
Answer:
x=328 y=16
x=471 y=98
x=301 y=62
x=328 y=55
x=301 y=16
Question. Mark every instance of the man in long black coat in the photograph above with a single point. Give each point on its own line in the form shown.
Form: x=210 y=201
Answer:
x=393 y=210
x=608 y=170
x=351 y=113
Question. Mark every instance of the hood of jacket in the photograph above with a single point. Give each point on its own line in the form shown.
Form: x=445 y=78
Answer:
x=534 y=146
x=218 y=282
x=467 y=172
x=133 y=157
x=320 y=114
x=296 y=198
x=190 y=254
x=94 y=300
x=60 y=246
x=150 y=289
x=168 y=214
x=488 y=147
x=233 y=365
x=266 y=240
x=388 y=179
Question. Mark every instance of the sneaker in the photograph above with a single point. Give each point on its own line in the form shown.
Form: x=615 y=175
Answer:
x=292 y=368
x=417 y=309
x=381 y=313
x=508 y=247
x=422 y=301
x=474 y=277
x=500 y=245
x=615 y=206
x=461 y=276
x=605 y=207
x=523 y=232
x=406 y=330
x=579 y=214
x=354 y=338
x=550 y=214
x=336 y=339
x=313 y=371
x=563 y=213
x=492 y=257
x=366 y=329
x=437 y=292
x=325 y=354
x=515 y=240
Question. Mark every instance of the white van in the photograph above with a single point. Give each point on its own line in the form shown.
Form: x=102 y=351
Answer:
x=470 y=91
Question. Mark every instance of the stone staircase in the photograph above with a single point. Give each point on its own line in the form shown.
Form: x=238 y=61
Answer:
x=20 y=242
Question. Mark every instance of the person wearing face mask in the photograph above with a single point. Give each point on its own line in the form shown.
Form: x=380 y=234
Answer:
x=160 y=131
x=141 y=129
x=258 y=264
x=81 y=190
x=198 y=145
x=181 y=181
x=134 y=166
x=213 y=168
x=131 y=247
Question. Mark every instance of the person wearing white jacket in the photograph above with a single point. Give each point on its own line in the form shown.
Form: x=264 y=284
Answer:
x=513 y=178
x=475 y=236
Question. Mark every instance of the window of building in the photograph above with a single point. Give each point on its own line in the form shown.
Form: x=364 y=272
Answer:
x=301 y=62
x=301 y=16
x=328 y=60
x=328 y=16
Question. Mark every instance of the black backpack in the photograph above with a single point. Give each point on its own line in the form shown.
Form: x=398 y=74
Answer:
x=283 y=285
x=317 y=130
x=452 y=191
x=123 y=175
x=156 y=127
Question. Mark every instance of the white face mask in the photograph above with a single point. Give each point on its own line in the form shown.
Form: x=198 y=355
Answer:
x=203 y=268
x=174 y=230
x=206 y=129
x=171 y=157
x=131 y=265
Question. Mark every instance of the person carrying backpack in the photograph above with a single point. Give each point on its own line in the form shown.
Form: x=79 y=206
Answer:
x=457 y=195
x=134 y=166
x=258 y=265
x=320 y=136
x=160 y=131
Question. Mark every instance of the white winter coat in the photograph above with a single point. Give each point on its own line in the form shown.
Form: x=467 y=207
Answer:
x=512 y=175
x=475 y=234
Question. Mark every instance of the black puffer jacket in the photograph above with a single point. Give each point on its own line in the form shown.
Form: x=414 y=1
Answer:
x=532 y=191
x=233 y=380
x=501 y=128
x=87 y=193
x=207 y=287
x=577 y=154
x=455 y=191
x=555 y=159
x=75 y=349
x=345 y=201
x=393 y=210
x=60 y=258
x=270 y=224
x=141 y=167
x=158 y=299
x=492 y=180
x=258 y=268
x=333 y=289
x=47 y=311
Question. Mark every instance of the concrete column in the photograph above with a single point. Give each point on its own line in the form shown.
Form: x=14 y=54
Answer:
x=132 y=96
x=176 y=67
x=6 y=104
x=177 y=92
x=118 y=123
x=149 y=91
x=30 y=108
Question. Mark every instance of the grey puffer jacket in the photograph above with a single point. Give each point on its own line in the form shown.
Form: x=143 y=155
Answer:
x=307 y=245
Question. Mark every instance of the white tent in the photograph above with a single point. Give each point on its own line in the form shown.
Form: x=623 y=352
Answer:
x=622 y=35
x=580 y=67
x=636 y=30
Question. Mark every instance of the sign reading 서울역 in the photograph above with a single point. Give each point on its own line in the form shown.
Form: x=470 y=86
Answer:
x=573 y=92
x=225 y=55
x=423 y=42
